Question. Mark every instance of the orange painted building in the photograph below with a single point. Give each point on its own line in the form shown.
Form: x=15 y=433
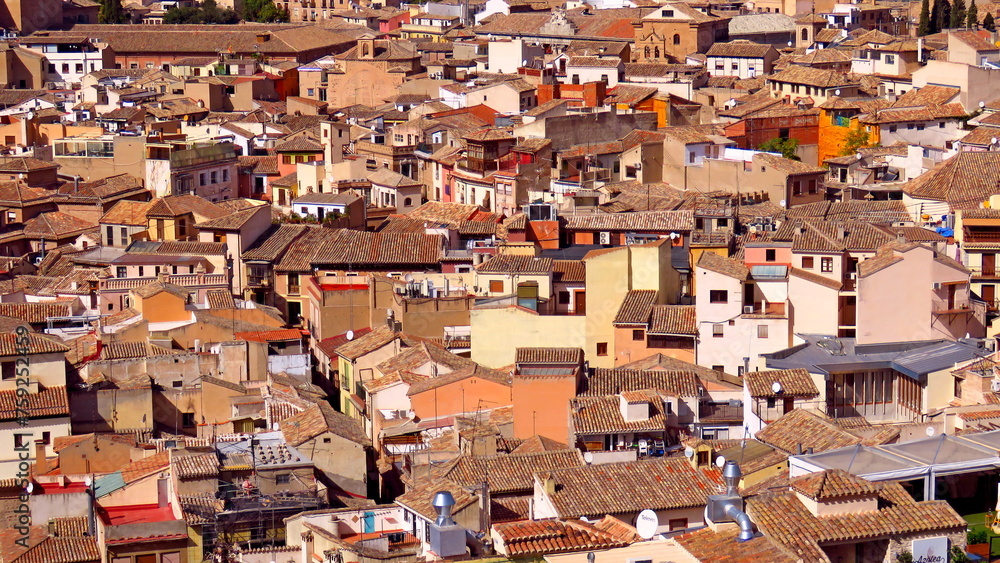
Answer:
x=837 y=119
x=545 y=379
x=463 y=391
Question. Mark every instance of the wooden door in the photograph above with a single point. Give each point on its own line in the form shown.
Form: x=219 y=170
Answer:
x=989 y=264
x=581 y=302
x=990 y=296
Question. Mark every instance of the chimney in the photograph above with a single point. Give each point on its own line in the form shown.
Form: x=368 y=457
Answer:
x=41 y=464
x=548 y=483
x=841 y=233
x=920 y=49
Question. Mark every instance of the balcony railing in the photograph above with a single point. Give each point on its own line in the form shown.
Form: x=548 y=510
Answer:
x=985 y=272
x=708 y=412
x=184 y=280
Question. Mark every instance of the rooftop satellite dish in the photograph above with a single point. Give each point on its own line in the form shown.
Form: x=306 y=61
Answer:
x=88 y=481
x=646 y=524
x=408 y=278
x=720 y=462
x=789 y=43
x=389 y=312
x=837 y=91
x=929 y=431
x=993 y=141
x=588 y=457
x=29 y=488
x=688 y=452
x=674 y=235
x=782 y=203
x=776 y=387
x=982 y=105
x=350 y=335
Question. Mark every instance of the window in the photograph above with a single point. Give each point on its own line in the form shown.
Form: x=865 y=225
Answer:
x=720 y=369
x=564 y=298
x=638 y=335
x=124 y=236
x=496 y=286
x=808 y=263
x=717 y=331
x=826 y=265
x=691 y=157
x=187 y=419
x=326 y=440
x=796 y=188
x=177 y=383
x=122 y=272
x=761 y=331
x=678 y=524
x=770 y=402
x=812 y=186
x=46 y=438
x=667 y=13
x=201 y=179
x=718 y=296
x=310 y=91
x=770 y=255
x=602 y=348
x=677 y=39
x=8 y=370
x=11 y=215
x=225 y=174
x=958 y=388
x=920 y=126
x=293 y=284
x=283 y=479
x=890 y=59
x=214 y=176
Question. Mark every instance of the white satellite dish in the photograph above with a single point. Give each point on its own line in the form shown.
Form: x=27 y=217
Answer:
x=588 y=457
x=993 y=141
x=929 y=431
x=776 y=387
x=688 y=452
x=782 y=203
x=88 y=481
x=674 y=236
x=29 y=488
x=720 y=462
x=408 y=278
x=837 y=91
x=350 y=335
x=646 y=524
x=982 y=104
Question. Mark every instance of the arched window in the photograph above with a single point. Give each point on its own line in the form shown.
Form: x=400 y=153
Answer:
x=656 y=52
x=805 y=34
x=647 y=51
x=407 y=202
x=677 y=39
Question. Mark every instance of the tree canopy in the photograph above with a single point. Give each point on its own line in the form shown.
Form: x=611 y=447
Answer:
x=209 y=12
x=263 y=11
x=786 y=147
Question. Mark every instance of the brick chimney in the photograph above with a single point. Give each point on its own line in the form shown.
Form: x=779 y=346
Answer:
x=41 y=463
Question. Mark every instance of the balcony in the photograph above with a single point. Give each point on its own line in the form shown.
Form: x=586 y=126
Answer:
x=720 y=412
x=764 y=310
x=985 y=273
x=185 y=280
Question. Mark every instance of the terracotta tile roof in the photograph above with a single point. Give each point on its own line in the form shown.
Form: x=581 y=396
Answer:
x=794 y=383
x=320 y=419
x=722 y=265
x=196 y=466
x=414 y=357
x=267 y=164
x=510 y=508
x=809 y=235
x=708 y=545
x=62 y=442
x=360 y=249
x=537 y=444
x=419 y=498
x=653 y=221
x=24 y=164
x=276 y=335
x=606 y=381
x=367 y=343
x=157 y=287
x=36 y=344
x=636 y=307
x=788 y=165
x=46 y=403
x=812 y=77
x=69 y=526
x=569 y=271
x=572 y=356
x=508 y=473
x=808 y=429
x=272 y=245
x=515 y=264
x=928 y=113
x=974 y=39
x=816 y=278
x=131 y=350
x=964 y=181
x=927 y=95
x=55 y=225
x=143 y=467
x=177 y=205
x=62 y=550
x=739 y=48
x=232 y=222
x=127 y=212
x=220 y=299
x=673 y=320
x=659 y=484
x=832 y=484
x=200 y=510
x=536 y=538
x=392 y=378
x=602 y=415
x=783 y=518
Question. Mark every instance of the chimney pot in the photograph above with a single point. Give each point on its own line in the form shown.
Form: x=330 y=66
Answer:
x=41 y=463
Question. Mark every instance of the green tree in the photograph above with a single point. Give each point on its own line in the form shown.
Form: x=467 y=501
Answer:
x=944 y=15
x=856 y=139
x=111 y=11
x=957 y=14
x=988 y=22
x=924 y=28
x=263 y=11
x=972 y=16
x=786 y=147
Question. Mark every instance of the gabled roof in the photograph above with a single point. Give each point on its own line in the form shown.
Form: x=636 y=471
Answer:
x=673 y=320
x=722 y=265
x=739 y=48
x=832 y=484
x=605 y=382
x=808 y=430
x=542 y=537
x=55 y=225
x=793 y=383
x=319 y=419
x=964 y=181
x=636 y=307
x=46 y=403
x=128 y=212
x=572 y=356
x=508 y=473
x=516 y=264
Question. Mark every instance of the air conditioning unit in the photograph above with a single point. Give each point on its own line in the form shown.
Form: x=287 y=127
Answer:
x=936 y=286
x=748 y=309
x=605 y=237
x=852 y=276
x=638 y=166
